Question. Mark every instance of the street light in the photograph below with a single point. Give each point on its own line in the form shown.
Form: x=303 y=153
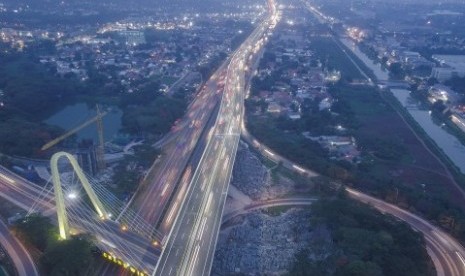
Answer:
x=72 y=195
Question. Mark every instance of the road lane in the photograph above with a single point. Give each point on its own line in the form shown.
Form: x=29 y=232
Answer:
x=192 y=240
x=19 y=255
x=130 y=247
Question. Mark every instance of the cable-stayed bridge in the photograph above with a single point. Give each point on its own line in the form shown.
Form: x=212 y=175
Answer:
x=82 y=205
x=124 y=236
x=127 y=239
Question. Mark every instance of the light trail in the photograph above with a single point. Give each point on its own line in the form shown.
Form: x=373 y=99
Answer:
x=298 y=168
x=170 y=215
x=269 y=152
x=460 y=257
x=164 y=189
x=7 y=179
x=112 y=245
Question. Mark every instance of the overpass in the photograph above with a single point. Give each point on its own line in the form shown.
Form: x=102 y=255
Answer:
x=131 y=245
x=22 y=261
x=447 y=254
x=196 y=214
x=192 y=239
x=191 y=242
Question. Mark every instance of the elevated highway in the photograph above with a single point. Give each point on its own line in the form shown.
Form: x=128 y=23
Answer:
x=447 y=253
x=22 y=261
x=192 y=239
x=132 y=248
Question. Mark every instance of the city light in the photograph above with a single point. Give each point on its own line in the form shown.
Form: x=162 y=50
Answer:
x=183 y=76
x=123 y=264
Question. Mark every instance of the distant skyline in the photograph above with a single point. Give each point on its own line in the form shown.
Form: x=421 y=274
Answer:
x=116 y=1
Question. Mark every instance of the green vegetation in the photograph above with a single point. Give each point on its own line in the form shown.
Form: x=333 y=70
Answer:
x=32 y=87
x=277 y=210
x=365 y=242
x=37 y=231
x=396 y=71
x=29 y=90
x=70 y=257
x=457 y=84
x=394 y=166
x=127 y=173
x=292 y=145
x=333 y=58
x=18 y=136
x=126 y=177
x=458 y=176
x=353 y=106
x=151 y=113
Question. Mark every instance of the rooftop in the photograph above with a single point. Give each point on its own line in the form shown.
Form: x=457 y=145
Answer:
x=453 y=61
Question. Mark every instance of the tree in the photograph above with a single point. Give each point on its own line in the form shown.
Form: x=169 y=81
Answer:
x=68 y=257
x=36 y=230
x=438 y=106
x=361 y=268
x=366 y=242
x=396 y=70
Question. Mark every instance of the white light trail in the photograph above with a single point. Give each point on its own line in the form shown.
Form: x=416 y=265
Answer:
x=269 y=152
x=9 y=180
x=460 y=257
x=298 y=168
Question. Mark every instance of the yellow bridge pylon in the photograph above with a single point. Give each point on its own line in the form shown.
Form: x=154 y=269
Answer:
x=63 y=223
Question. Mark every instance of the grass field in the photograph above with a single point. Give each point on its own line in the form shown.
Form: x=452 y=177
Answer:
x=331 y=55
x=414 y=168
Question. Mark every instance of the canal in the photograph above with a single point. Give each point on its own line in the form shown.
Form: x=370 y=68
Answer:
x=449 y=144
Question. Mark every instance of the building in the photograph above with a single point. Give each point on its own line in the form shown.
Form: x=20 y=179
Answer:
x=87 y=159
x=449 y=66
x=274 y=107
x=133 y=38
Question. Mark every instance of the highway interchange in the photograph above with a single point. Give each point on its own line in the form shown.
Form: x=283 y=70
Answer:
x=22 y=261
x=133 y=248
x=151 y=202
x=195 y=213
x=187 y=253
x=191 y=242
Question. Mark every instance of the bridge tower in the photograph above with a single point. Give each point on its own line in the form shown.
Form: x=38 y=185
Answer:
x=63 y=223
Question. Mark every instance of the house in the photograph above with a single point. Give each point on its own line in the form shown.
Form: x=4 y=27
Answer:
x=274 y=107
x=449 y=66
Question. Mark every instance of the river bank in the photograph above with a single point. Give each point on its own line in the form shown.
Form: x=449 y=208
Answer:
x=449 y=144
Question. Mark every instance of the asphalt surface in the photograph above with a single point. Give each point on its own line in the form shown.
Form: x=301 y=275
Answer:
x=192 y=240
x=151 y=202
x=192 y=237
x=447 y=253
x=288 y=201
x=128 y=246
x=21 y=259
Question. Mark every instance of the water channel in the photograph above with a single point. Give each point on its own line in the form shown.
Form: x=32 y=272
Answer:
x=450 y=145
x=380 y=73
